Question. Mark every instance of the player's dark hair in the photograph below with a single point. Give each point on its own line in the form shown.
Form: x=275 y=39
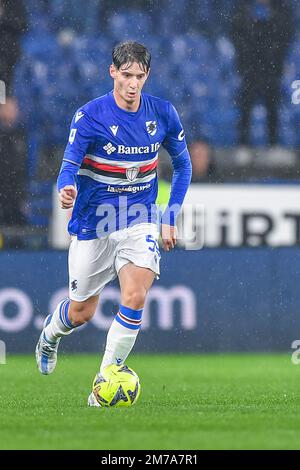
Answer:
x=129 y=52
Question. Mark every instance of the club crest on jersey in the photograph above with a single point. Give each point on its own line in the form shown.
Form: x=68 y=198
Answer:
x=131 y=173
x=151 y=127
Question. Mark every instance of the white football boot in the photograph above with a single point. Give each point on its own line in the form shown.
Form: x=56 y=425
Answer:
x=92 y=401
x=46 y=351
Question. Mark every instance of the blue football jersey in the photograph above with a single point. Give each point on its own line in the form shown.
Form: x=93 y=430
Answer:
x=116 y=152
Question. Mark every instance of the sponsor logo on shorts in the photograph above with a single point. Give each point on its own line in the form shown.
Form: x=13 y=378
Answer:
x=74 y=284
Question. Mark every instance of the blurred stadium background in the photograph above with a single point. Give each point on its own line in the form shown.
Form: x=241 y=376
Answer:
x=240 y=292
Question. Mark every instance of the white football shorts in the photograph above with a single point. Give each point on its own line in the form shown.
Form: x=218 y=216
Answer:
x=94 y=263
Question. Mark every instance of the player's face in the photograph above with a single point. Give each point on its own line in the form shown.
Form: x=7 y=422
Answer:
x=128 y=82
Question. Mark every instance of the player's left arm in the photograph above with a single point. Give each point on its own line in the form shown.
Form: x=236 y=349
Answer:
x=175 y=144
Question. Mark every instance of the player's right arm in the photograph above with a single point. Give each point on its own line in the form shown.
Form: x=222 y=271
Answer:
x=79 y=139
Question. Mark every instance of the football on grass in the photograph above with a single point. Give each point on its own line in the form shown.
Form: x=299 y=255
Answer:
x=117 y=385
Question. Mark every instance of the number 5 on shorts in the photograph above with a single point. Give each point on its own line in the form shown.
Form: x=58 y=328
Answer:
x=154 y=243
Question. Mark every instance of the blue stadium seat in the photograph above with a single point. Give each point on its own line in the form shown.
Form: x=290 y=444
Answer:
x=199 y=75
x=121 y=23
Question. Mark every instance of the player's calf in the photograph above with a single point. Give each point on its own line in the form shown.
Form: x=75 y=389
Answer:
x=56 y=325
x=121 y=336
x=82 y=312
x=67 y=316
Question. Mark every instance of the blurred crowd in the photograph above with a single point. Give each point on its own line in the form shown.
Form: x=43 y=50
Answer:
x=206 y=38
x=13 y=145
x=261 y=32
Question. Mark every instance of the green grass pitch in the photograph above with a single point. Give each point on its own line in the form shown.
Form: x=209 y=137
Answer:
x=187 y=402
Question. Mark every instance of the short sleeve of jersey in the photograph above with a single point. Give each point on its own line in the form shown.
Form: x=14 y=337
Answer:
x=174 y=141
x=81 y=135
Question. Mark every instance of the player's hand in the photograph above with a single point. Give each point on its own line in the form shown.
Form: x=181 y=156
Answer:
x=168 y=236
x=67 y=196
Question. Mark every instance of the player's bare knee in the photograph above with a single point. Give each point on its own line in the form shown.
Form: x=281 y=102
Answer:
x=135 y=298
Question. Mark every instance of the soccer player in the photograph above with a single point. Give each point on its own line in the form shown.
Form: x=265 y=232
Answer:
x=109 y=175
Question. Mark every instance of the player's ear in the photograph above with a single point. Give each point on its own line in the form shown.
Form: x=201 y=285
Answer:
x=112 y=71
